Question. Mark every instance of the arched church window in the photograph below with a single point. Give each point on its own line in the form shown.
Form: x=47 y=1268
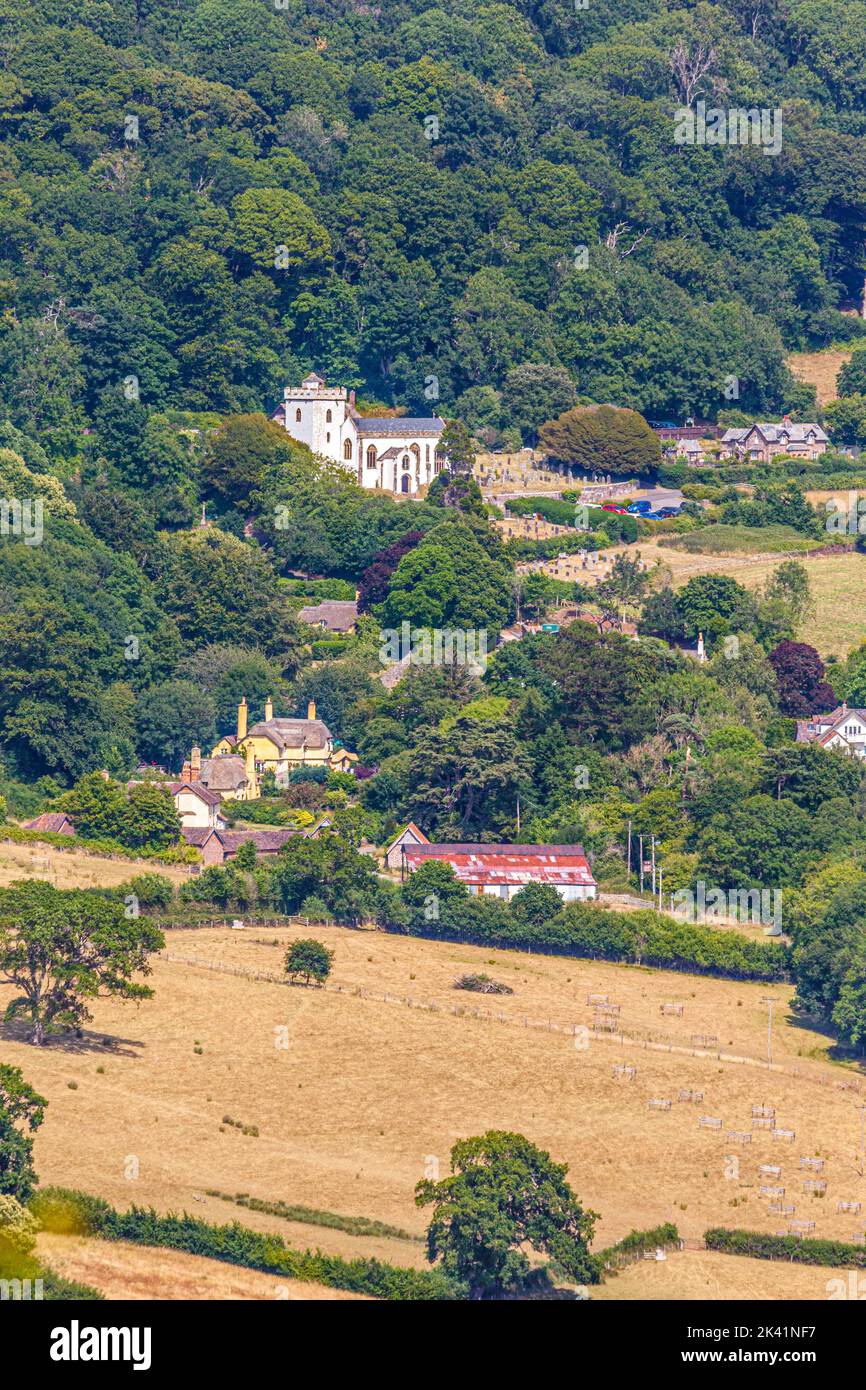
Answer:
x=298 y=415
x=328 y=418
x=371 y=456
x=347 y=450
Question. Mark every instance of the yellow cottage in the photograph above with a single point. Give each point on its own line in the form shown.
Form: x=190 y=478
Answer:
x=280 y=745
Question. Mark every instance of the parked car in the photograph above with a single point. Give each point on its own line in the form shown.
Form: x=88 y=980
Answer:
x=652 y=516
x=668 y=511
x=612 y=507
x=636 y=508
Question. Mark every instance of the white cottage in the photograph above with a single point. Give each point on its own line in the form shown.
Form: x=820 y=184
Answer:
x=843 y=729
x=396 y=454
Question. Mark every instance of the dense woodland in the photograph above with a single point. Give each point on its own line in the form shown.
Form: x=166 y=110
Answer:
x=200 y=202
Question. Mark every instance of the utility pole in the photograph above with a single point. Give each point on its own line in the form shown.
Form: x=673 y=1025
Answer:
x=661 y=871
x=640 y=850
x=862 y=1140
x=770 y=1003
x=629 y=850
x=654 y=863
x=518 y=813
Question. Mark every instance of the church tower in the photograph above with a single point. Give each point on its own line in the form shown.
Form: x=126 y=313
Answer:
x=316 y=415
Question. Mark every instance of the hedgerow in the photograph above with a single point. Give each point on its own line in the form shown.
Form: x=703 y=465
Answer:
x=803 y=1250
x=70 y=1210
x=636 y=1243
x=580 y=929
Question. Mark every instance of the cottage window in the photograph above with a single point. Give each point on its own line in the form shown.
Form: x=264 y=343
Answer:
x=328 y=418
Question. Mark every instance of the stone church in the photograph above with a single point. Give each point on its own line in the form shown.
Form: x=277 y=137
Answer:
x=397 y=454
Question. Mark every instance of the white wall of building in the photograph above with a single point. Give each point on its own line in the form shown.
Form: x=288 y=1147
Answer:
x=319 y=417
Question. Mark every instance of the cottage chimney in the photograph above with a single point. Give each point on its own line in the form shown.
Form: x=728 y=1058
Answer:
x=351 y=398
x=311 y=709
x=195 y=763
x=269 y=709
x=186 y=772
x=786 y=419
x=242 y=718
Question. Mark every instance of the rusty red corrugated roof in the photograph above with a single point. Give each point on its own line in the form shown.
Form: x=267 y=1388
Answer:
x=508 y=864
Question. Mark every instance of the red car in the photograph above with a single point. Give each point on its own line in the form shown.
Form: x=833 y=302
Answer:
x=611 y=507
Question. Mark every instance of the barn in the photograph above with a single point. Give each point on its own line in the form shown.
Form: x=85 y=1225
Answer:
x=502 y=870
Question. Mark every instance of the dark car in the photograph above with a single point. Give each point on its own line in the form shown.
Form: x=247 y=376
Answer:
x=668 y=511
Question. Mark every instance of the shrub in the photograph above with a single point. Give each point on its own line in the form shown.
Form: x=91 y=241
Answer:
x=316 y=909
x=18 y=1227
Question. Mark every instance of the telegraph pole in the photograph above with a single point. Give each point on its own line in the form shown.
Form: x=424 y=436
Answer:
x=770 y=1003
x=640 y=848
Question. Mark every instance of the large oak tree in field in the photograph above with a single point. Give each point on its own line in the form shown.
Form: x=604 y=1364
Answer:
x=60 y=950
x=505 y=1196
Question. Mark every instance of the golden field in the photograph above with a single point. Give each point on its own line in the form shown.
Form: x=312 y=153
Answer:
x=838 y=582
x=820 y=369
x=71 y=868
x=355 y=1098
x=122 y=1271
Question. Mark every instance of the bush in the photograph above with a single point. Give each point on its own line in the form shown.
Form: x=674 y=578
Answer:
x=633 y=1246
x=316 y=909
x=18 y=1228
x=309 y=774
x=796 y=1249
x=151 y=890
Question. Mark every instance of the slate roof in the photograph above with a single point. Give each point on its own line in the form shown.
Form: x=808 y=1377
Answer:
x=515 y=865
x=401 y=425
x=778 y=434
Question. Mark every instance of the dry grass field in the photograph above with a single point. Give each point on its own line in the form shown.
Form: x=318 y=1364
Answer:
x=820 y=369
x=355 y=1098
x=838 y=584
x=67 y=868
x=122 y=1271
x=703 y=1274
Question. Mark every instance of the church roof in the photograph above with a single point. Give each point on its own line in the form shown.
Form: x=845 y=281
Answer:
x=400 y=425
